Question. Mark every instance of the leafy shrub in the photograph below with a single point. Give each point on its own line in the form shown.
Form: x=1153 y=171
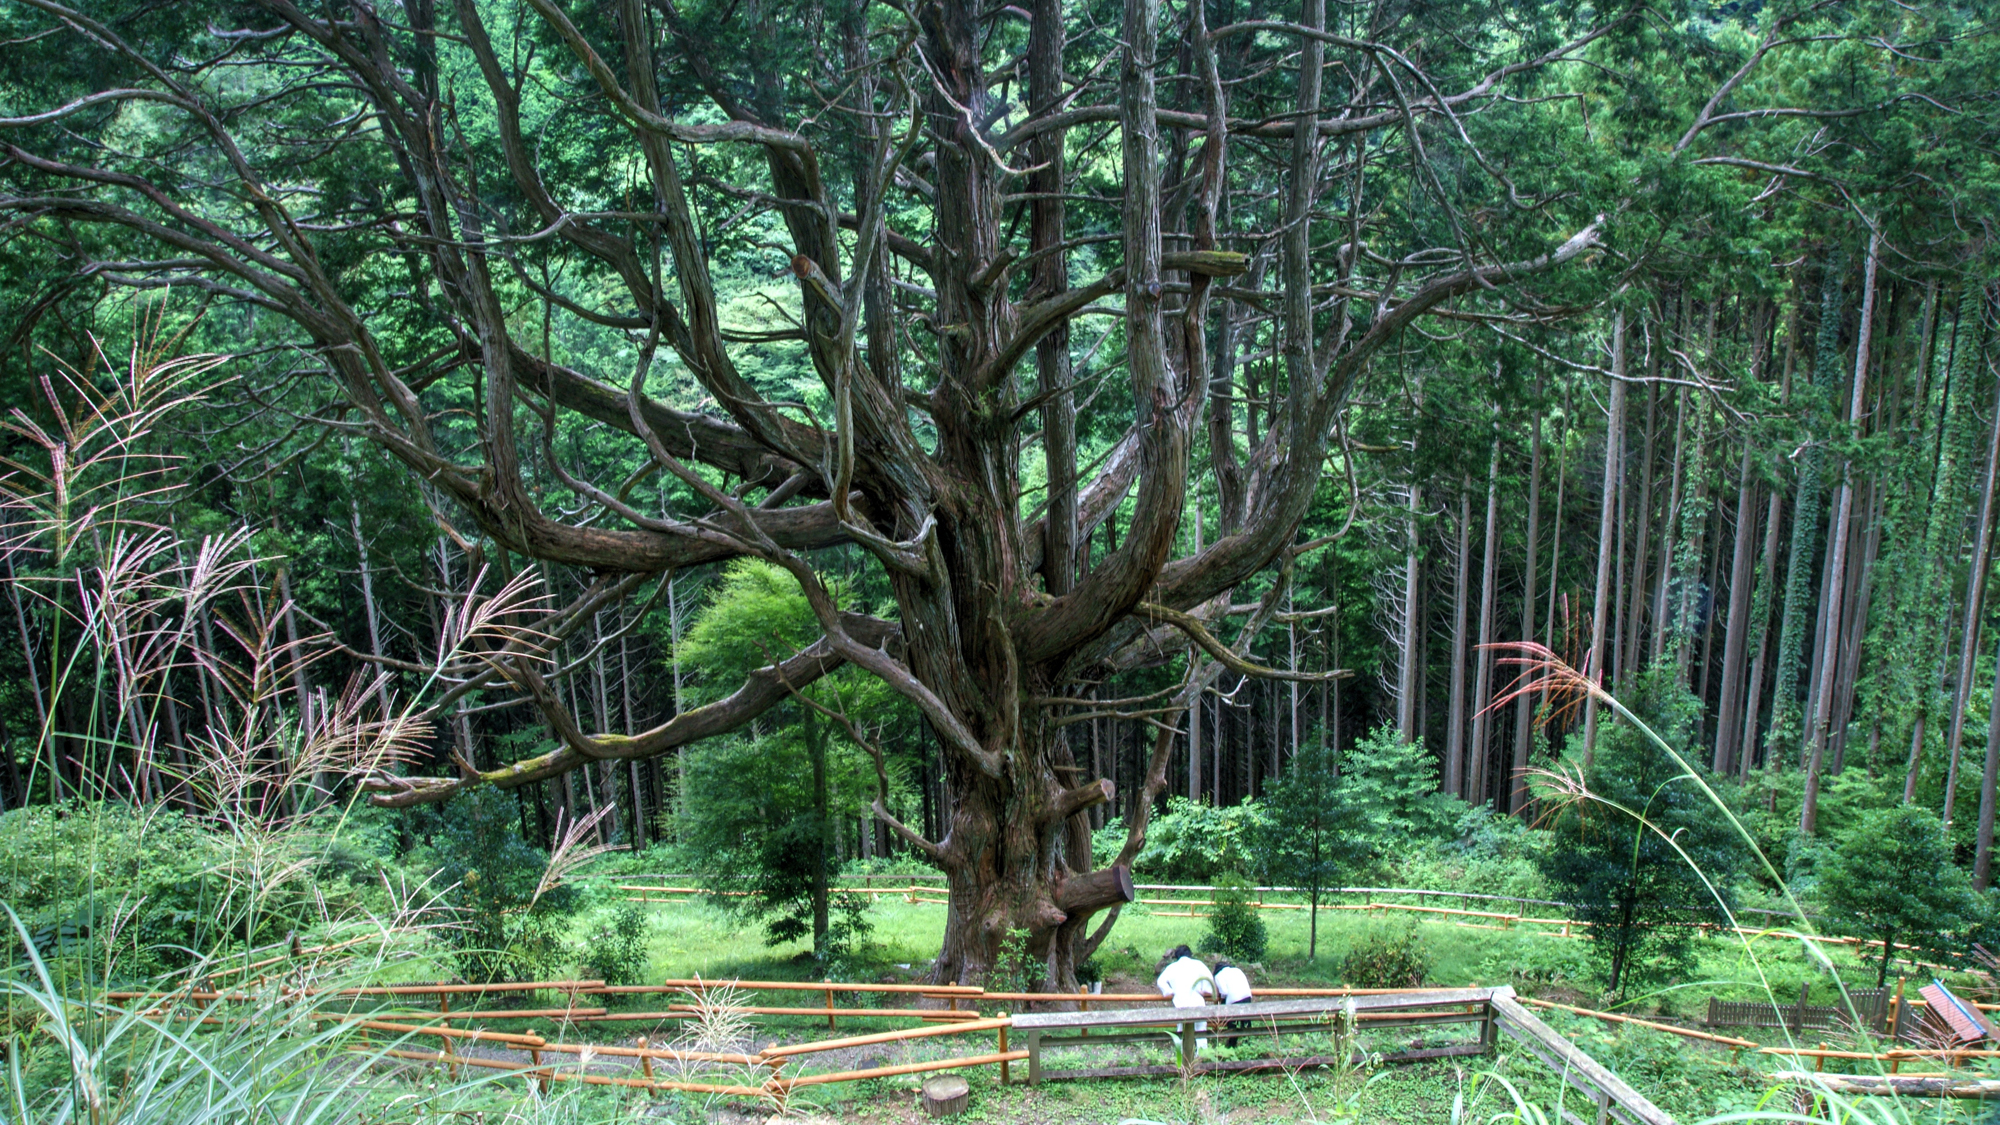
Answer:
x=1647 y=852
x=115 y=892
x=509 y=926
x=615 y=951
x=1194 y=842
x=1393 y=957
x=1235 y=929
x=1892 y=879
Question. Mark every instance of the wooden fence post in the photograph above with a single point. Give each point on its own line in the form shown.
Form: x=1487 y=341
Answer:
x=1003 y=1050
x=1799 y=1013
x=829 y=1003
x=645 y=1061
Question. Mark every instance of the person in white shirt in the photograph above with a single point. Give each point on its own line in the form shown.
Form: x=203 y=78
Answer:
x=1235 y=988
x=1186 y=981
x=1183 y=972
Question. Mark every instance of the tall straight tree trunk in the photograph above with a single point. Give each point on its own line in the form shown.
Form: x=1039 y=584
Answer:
x=1982 y=856
x=1482 y=680
x=1760 y=615
x=1408 y=670
x=1665 y=626
x=1454 y=761
x=379 y=673
x=1843 y=516
x=1642 y=534
x=1805 y=516
x=1735 y=635
x=1975 y=613
x=1613 y=437
x=1524 y=708
x=1857 y=630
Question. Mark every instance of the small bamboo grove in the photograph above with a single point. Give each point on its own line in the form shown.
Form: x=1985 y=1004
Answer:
x=471 y=438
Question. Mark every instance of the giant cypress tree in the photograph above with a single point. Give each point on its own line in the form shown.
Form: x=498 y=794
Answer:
x=494 y=229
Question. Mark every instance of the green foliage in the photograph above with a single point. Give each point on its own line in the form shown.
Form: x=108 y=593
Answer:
x=114 y=892
x=1313 y=836
x=508 y=926
x=758 y=810
x=1394 y=956
x=1014 y=964
x=1390 y=788
x=614 y=951
x=1195 y=842
x=1891 y=878
x=1645 y=852
x=1235 y=926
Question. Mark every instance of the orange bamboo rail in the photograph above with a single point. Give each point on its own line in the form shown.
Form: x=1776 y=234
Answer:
x=965 y=1028
x=1613 y=1017
x=1002 y=1058
x=480 y=1035
x=545 y=1073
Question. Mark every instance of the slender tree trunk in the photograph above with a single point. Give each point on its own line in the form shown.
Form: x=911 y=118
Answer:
x=1455 y=731
x=1843 y=515
x=378 y=673
x=1965 y=357
x=1524 y=708
x=1613 y=435
x=1634 y=629
x=1482 y=681
x=1844 y=691
x=1975 y=613
x=1735 y=636
x=1408 y=670
x=1982 y=856
x=1805 y=517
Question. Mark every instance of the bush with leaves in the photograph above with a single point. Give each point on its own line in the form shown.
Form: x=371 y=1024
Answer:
x=1638 y=849
x=512 y=923
x=614 y=951
x=1390 y=957
x=1390 y=788
x=1195 y=842
x=1891 y=879
x=1235 y=927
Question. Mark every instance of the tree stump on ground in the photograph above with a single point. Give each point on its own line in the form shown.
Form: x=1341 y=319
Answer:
x=946 y=1095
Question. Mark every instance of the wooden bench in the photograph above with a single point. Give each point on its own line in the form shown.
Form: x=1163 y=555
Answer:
x=1177 y=1027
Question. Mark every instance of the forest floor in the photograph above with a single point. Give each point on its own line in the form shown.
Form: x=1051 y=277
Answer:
x=1688 y=1079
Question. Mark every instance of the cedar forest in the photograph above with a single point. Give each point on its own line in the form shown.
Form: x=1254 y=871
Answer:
x=1045 y=444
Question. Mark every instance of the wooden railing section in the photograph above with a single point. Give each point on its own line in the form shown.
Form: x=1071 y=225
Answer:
x=1490 y=1012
